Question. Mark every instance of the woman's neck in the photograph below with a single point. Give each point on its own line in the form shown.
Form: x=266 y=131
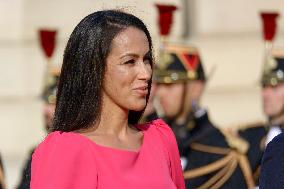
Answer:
x=113 y=119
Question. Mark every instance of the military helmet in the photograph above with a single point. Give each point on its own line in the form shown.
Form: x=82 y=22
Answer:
x=273 y=73
x=50 y=85
x=178 y=63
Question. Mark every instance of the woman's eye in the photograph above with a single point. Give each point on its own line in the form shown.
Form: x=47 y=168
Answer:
x=132 y=61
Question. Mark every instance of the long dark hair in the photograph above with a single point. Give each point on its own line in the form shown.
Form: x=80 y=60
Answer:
x=78 y=104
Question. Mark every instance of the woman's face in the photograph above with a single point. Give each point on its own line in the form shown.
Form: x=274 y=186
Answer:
x=128 y=70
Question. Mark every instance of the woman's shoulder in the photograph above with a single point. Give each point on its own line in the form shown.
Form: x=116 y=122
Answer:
x=158 y=126
x=60 y=158
x=163 y=133
x=154 y=124
x=62 y=142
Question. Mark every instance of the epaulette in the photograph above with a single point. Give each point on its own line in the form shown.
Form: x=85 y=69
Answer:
x=233 y=156
x=237 y=129
x=235 y=141
x=224 y=167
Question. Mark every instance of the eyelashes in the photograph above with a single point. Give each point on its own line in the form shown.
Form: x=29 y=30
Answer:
x=133 y=61
x=134 y=58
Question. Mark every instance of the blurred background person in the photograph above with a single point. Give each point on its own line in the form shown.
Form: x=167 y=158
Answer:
x=181 y=81
x=273 y=93
x=260 y=134
x=49 y=98
x=2 y=179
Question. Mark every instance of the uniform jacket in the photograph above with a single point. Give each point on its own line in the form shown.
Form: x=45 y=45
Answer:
x=272 y=167
x=212 y=160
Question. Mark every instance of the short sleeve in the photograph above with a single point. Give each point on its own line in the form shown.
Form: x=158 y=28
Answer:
x=62 y=161
x=169 y=140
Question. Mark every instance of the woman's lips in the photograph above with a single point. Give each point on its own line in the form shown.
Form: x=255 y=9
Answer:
x=142 y=90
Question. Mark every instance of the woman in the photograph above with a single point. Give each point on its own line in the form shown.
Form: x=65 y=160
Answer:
x=103 y=90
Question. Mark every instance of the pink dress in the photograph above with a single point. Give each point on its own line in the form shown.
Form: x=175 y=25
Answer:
x=68 y=160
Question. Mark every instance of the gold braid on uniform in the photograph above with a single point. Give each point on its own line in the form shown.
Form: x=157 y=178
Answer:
x=256 y=173
x=262 y=145
x=225 y=166
x=2 y=183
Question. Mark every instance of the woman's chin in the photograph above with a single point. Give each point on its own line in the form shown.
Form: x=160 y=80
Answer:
x=139 y=106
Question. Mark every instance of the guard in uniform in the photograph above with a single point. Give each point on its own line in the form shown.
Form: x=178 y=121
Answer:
x=211 y=157
x=49 y=97
x=259 y=135
x=214 y=158
x=273 y=93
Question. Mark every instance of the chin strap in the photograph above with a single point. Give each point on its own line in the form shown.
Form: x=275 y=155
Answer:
x=183 y=99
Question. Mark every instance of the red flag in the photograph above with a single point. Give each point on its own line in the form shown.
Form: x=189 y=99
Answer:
x=269 y=25
x=47 y=41
x=165 y=17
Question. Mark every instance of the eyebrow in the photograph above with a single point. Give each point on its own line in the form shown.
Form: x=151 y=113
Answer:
x=135 y=55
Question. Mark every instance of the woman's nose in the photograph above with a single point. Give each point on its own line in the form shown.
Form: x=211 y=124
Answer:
x=145 y=71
